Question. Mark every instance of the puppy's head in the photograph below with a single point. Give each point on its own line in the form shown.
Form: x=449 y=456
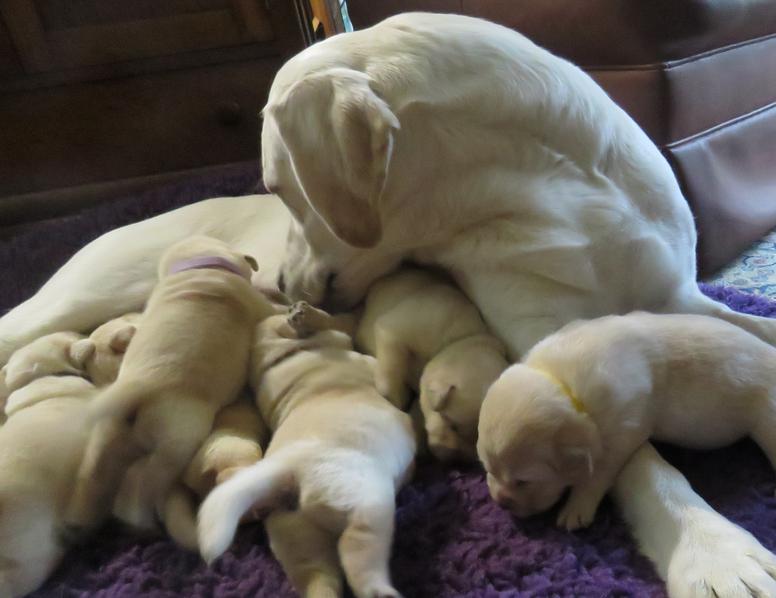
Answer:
x=201 y=246
x=60 y=353
x=327 y=142
x=110 y=342
x=533 y=442
x=452 y=388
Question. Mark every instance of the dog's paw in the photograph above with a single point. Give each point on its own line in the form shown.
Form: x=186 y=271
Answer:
x=716 y=558
x=578 y=512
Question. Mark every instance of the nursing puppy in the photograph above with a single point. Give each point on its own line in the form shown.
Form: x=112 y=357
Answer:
x=338 y=453
x=38 y=469
x=188 y=358
x=587 y=397
x=236 y=441
x=426 y=335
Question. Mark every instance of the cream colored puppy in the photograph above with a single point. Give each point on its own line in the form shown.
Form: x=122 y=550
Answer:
x=587 y=397
x=236 y=441
x=110 y=340
x=188 y=359
x=37 y=470
x=339 y=453
x=426 y=335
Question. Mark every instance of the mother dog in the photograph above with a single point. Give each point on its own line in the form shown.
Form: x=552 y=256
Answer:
x=451 y=141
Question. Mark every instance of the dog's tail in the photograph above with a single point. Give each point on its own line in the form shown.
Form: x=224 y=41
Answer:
x=262 y=486
x=180 y=517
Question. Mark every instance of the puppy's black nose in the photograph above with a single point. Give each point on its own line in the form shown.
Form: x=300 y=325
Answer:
x=282 y=283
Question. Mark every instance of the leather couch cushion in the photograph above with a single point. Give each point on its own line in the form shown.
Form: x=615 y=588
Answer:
x=605 y=32
x=728 y=178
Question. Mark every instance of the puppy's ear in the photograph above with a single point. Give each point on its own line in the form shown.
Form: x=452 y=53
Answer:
x=438 y=396
x=121 y=338
x=339 y=135
x=578 y=447
x=252 y=262
x=80 y=351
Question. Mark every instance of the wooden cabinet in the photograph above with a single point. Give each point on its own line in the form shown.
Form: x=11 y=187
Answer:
x=97 y=91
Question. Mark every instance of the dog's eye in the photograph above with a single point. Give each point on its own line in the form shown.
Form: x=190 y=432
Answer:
x=518 y=483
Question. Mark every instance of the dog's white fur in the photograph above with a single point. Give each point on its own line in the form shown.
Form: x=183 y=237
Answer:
x=426 y=335
x=510 y=169
x=339 y=450
x=40 y=449
x=188 y=359
x=689 y=380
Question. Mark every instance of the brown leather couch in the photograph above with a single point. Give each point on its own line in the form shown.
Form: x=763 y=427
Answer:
x=698 y=75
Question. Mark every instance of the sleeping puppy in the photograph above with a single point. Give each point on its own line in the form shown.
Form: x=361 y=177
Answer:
x=338 y=454
x=587 y=397
x=236 y=441
x=58 y=354
x=188 y=359
x=37 y=470
x=110 y=340
x=427 y=335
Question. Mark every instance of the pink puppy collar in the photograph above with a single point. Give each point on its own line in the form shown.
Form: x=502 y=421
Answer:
x=212 y=261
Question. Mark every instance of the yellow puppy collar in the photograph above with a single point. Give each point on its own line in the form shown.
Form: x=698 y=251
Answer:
x=578 y=405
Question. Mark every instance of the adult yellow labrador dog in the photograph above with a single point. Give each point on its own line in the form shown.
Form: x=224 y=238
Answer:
x=451 y=141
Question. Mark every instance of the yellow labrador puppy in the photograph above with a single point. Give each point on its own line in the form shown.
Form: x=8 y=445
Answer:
x=188 y=358
x=428 y=336
x=584 y=399
x=339 y=453
x=236 y=441
x=110 y=341
x=37 y=470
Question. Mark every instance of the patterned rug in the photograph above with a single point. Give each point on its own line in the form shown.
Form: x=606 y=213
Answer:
x=754 y=271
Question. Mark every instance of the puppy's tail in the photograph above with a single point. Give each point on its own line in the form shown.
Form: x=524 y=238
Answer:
x=119 y=400
x=263 y=486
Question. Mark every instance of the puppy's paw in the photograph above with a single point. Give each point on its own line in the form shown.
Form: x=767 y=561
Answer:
x=716 y=558
x=578 y=512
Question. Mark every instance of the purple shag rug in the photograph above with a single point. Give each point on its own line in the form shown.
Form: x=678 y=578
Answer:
x=451 y=540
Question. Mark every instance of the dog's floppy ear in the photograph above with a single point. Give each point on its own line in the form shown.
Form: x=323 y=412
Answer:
x=80 y=351
x=339 y=135
x=120 y=339
x=578 y=447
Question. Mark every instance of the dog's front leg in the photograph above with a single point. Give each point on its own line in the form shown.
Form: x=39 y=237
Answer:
x=695 y=549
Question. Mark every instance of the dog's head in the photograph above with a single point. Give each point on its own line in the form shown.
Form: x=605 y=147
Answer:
x=60 y=353
x=210 y=252
x=533 y=442
x=110 y=342
x=452 y=388
x=327 y=142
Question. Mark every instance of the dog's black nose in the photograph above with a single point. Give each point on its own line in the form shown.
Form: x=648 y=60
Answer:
x=282 y=283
